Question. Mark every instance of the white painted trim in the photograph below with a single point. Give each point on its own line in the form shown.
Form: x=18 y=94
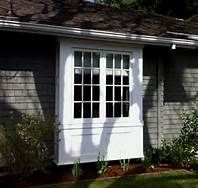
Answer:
x=66 y=82
x=95 y=34
x=115 y=137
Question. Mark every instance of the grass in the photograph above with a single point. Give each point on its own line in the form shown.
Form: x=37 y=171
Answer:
x=176 y=179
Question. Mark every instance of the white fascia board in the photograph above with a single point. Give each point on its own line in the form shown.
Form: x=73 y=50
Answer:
x=94 y=34
x=190 y=36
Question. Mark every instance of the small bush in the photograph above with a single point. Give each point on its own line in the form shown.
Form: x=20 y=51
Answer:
x=24 y=144
x=152 y=157
x=180 y=150
x=194 y=165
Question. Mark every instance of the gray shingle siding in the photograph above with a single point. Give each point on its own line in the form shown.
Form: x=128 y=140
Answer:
x=27 y=69
x=180 y=88
x=149 y=98
x=27 y=82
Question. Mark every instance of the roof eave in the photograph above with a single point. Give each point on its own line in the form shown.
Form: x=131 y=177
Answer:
x=95 y=34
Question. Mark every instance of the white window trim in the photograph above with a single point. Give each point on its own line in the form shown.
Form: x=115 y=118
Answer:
x=102 y=117
x=66 y=77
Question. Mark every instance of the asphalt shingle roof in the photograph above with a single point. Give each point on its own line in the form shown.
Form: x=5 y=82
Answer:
x=87 y=15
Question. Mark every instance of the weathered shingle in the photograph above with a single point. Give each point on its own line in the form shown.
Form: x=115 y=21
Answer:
x=93 y=16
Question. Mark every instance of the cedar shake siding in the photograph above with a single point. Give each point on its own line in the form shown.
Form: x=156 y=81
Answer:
x=27 y=69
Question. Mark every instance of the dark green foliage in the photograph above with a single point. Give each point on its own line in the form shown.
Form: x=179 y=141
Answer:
x=185 y=9
x=25 y=144
x=194 y=165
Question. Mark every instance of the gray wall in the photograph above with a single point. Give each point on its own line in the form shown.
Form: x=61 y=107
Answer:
x=180 y=88
x=27 y=82
x=170 y=87
x=27 y=69
x=150 y=97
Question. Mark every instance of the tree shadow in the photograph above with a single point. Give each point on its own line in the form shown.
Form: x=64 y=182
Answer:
x=27 y=73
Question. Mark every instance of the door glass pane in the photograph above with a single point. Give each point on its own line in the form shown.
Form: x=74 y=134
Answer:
x=87 y=76
x=87 y=93
x=125 y=109
x=109 y=77
x=117 y=94
x=126 y=61
x=77 y=76
x=96 y=76
x=78 y=59
x=117 y=77
x=109 y=93
x=125 y=77
x=77 y=110
x=96 y=93
x=87 y=110
x=95 y=110
x=117 y=61
x=109 y=60
x=117 y=110
x=77 y=93
x=96 y=59
x=87 y=59
x=109 y=109
x=125 y=93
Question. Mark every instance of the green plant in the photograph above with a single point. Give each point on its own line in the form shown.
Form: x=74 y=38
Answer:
x=76 y=169
x=152 y=157
x=194 y=165
x=180 y=150
x=25 y=143
x=124 y=163
x=147 y=162
x=102 y=164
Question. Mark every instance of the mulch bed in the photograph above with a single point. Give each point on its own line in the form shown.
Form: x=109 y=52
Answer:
x=63 y=174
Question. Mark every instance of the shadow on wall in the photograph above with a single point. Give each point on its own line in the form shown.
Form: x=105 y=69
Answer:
x=180 y=88
x=27 y=81
x=181 y=76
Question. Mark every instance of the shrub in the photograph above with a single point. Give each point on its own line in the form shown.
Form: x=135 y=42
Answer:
x=180 y=150
x=152 y=157
x=194 y=165
x=24 y=143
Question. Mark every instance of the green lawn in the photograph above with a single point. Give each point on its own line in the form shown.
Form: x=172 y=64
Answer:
x=177 y=179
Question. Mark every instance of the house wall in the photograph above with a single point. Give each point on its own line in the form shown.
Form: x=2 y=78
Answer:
x=180 y=88
x=149 y=97
x=170 y=87
x=27 y=81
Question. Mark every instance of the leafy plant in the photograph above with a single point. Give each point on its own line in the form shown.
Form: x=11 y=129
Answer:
x=147 y=162
x=25 y=143
x=102 y=164
x=124 y=163
x=180 y=150
x=194 y=165
x=76 y=169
